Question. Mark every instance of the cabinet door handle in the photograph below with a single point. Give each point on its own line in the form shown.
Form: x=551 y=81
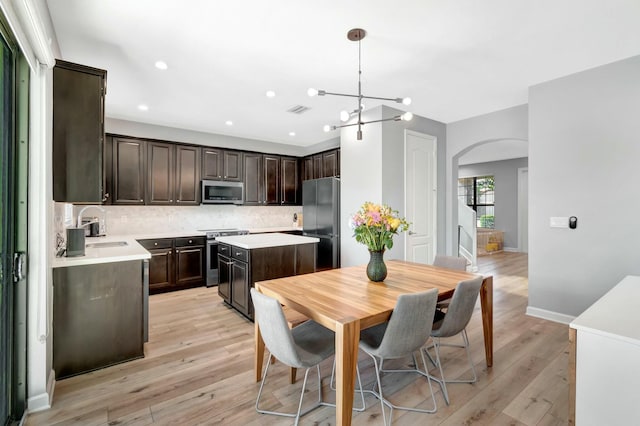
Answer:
x=142 y=201
x=238 y=254
x=169 y=252
x=155 y=244
x=106 y=197
x=190 y=241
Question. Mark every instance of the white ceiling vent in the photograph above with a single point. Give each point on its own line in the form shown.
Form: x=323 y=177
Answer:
x=298 y=109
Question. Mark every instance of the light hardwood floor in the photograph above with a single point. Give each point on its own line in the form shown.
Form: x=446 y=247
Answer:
x=198 y=370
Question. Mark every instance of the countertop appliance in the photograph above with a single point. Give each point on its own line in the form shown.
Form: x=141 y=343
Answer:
x=212 y=251
x=222 y=192
x=321 y=210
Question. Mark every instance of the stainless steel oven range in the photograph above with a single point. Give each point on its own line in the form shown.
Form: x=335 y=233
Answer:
x=212 y=250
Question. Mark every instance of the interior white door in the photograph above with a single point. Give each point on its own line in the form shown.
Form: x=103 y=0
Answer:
x=420 y=196
x=523 y=209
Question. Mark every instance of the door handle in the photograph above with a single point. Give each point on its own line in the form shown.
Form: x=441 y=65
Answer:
x=411 y=233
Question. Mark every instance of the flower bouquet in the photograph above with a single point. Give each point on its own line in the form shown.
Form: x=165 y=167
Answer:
x=374 y=225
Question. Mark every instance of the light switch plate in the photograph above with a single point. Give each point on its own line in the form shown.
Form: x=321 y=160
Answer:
x=559 y=222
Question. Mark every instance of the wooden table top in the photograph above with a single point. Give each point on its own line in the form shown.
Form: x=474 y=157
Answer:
x=346 y=294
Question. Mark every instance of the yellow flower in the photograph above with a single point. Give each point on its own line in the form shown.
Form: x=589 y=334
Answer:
x=394 y=223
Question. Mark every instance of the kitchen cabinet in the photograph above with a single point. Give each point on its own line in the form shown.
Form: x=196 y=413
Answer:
x=173 y=174
x=240 y=267
x=289 y=181
x=129 y=171
x=307 y=168
x=98 y=316
x=219 y=164
x=317 y=166
x=331 y=163
x=271 y=170
x=187 y=174
x=190 y=261
x=323 y=164
x=78 y=133
x=224 y=272
x=253 y=182
x=176 y=263
x=160 y=173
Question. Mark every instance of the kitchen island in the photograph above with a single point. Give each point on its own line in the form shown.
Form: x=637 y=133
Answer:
x=245 y=259
x=100 y=306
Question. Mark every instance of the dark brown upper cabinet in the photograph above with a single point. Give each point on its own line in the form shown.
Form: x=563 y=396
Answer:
x=307 y=168
x=129 y=171
x=289 y=181
x=78 y=133
x=221 y=164
x=187 y=184
x=160 y=173
x=271 y=170
x=317 y=166
x=324 y=164
x=173 y=174
x=253 y=179
x=331 y=163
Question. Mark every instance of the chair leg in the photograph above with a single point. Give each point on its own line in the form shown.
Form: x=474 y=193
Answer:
x=299 y=412
x=383 y=401
x=437 y=362
x=292 y=375
x=333 y=388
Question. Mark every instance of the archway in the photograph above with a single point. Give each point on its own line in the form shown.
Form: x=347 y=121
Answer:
x=495 y=149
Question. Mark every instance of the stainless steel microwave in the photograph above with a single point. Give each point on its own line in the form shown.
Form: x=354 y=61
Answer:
x=219 y=192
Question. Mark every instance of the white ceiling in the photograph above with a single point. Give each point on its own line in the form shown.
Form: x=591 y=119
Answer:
x=455 y=58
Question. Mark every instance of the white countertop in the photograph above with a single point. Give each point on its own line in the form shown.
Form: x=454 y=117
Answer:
x=132 y=251
x=254 y=241
x=615 y=314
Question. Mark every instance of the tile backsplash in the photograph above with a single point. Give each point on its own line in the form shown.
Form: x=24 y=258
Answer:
x=123 y=220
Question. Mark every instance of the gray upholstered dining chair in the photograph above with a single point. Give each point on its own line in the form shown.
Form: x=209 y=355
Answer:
x=304 y=346
x=455 y=322
x=450 y=262
x=406 y=332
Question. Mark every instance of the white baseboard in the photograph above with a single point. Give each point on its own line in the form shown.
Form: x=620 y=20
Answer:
x=549 y=315
x=511 y=249
x=43 y=401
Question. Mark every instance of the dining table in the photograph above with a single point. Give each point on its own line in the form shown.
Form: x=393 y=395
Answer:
x=346 y=301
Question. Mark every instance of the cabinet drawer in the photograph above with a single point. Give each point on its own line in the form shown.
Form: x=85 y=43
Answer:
x=162 y=243
x=240 y=254
x=189 y=241
x=224 y=249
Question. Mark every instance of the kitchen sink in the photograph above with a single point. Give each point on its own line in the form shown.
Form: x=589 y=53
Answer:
x=107 y=244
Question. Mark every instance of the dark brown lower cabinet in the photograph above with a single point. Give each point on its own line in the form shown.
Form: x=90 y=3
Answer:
x=239 y=269
x=98 y=316
x=176 y=263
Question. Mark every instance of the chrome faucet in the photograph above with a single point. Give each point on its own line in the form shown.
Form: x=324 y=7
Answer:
x=95 y=207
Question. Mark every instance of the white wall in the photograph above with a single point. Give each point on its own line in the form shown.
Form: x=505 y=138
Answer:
x=373 y=170
x=510 y=124
x=583 y=161
x=505 y=175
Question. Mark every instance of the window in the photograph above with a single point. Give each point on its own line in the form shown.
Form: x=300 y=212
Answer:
x=478 y=193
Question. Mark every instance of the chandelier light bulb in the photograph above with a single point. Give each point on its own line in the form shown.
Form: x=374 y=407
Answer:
x=326 y=128
x=312 y=92
x=406 y=101
x=344 y=116
x=407 y=116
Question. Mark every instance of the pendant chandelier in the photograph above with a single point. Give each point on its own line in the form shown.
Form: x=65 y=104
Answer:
x=357 y=34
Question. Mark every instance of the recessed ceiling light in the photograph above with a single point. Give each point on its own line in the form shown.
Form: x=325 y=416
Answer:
x=270 y=94
x=229 y=123
x=161 y=65
x=292 y=133
x=143 y=107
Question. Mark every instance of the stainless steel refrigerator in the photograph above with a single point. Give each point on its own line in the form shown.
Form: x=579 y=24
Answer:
x=321 y=219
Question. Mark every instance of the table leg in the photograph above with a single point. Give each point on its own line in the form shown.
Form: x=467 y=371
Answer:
x=486 y=303
x=347 y=337
x=259 y=352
